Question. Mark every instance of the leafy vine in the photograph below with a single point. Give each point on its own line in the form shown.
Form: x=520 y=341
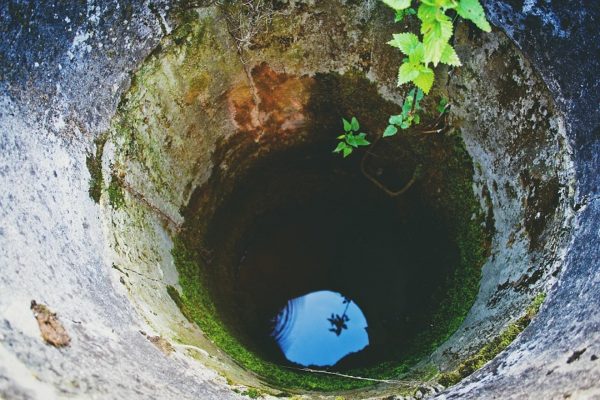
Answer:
x=422 y=54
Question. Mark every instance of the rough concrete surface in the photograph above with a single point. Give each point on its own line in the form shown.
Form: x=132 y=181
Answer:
x=63 y=69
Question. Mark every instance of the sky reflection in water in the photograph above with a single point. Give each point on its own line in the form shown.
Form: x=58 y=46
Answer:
x=320 y=328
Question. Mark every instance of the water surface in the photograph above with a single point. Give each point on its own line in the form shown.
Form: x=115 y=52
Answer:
x=320 y=328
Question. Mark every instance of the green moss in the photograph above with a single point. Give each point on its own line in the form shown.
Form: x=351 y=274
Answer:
x=203 y=64
x=94 y=165
x=456 y=204
x=445 y=184
x=176 y=297
x=202 y=309
x=252 y=393
x=115 y=191
x=164 y=124
x=492 y=349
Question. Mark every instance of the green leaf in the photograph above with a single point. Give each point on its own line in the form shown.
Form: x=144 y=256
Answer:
x=351 y=140
x=361 y=140
x=417 y=119
x=424 y=80
x=355 y=124
x=426 y=12
x=450 y=57
x=395 y=120
x=444 y=4
x=411 y=11
x=405 y=125
x=419 y=95
x=406 y=42
x=347 y=151
x=391 y=130
x=341 y=136
x=357 y=140
x=399 y=15
x=473 y=11
x=397 y=4
x=442 y=105
x=407 y=73
x=436 y=34
x=347 y=125
x=417 y=55
x=407 y=105
x=341 y=146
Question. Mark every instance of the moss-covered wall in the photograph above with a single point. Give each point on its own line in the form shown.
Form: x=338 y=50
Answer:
x=175 y=131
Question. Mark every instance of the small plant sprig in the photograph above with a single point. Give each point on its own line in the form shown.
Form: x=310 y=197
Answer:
x=400 y=14
x=436 y=29
x=350 y=139
x=443 y=105
x=409 y=114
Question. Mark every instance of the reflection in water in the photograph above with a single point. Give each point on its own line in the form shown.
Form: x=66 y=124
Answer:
x=311 y=331
x=337 y=321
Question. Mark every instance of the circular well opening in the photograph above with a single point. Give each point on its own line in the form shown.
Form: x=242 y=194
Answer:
x=307 y=262
x=329 y=229
x=271 y=215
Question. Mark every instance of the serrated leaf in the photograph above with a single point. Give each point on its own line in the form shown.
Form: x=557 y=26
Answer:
x=444 y=4
x=450 y=57
x=407 y=73
x=448 y=4
x=473 y=11
x=406 y=42
x=355 y=124
x=347 y=151
x=395 y=120
x=341 y=146
x=426 y=12
x=397 y=4
x=417 y=55
x=436 y=34
x=347 y=125
x=424 y=80
x=391 y=130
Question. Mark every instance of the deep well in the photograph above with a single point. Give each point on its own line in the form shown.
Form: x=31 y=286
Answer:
x=160 y=162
